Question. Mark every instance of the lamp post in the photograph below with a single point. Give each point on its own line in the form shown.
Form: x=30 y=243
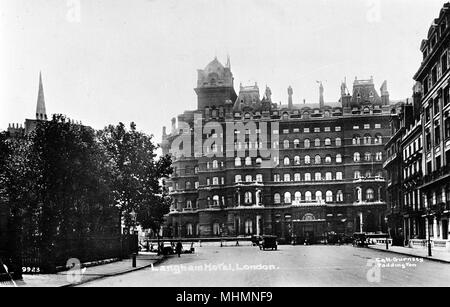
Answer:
x=387 y=232
x=429 y=235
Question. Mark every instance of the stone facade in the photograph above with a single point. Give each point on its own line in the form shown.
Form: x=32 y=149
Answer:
x=324 y=172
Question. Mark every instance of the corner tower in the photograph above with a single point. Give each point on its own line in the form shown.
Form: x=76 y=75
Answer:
x=215 y=85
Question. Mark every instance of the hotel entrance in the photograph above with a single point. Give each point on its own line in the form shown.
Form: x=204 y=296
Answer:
x=309 y=229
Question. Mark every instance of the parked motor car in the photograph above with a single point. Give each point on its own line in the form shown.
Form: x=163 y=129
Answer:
x=268 y=242
x=167 y=248
x=256 y=240
x=360 y=239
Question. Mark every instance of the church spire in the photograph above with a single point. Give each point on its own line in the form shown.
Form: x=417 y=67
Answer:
x=228 y=65
x=41 y=113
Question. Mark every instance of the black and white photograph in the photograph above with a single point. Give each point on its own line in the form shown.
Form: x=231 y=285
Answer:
x=224 y=149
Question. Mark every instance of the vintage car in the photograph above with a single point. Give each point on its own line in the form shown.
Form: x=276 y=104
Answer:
x=360 y=239
x=268 y=242
x=256 y=240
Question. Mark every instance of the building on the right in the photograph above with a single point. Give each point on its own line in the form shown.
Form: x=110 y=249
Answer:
x=423 y=195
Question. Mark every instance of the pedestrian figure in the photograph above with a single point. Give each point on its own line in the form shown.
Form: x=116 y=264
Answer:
x=178 y=248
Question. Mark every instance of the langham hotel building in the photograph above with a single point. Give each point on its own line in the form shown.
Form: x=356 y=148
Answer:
x=327 y=177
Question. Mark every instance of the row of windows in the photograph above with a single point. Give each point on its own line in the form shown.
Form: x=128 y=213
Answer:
x=317 y=159
x=367 y=139
x=308 y=196
x=286 y=178
x=287 y=198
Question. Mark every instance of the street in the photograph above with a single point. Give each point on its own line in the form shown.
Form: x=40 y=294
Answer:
x=318 y=265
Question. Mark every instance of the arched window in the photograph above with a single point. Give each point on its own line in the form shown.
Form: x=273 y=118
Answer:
x=307 y=160
x=339 y=196
x=329 y=196
x=237 y=178
x=318 y=195
x=368 y=174
x=259 y=178
x=317 y=159
x=356 y=140
x=357 y=175
x=237 y=161
x=370 y=194
x=196 y=170
x=379 y=156
x=276 y=177
x=286 y=161
x=189 y=229
x=328 y=176
x=297 y=160
x=216 y=200
x=317 y=176
x=258 y=161
x=215 y=164
x=248 y=227
x=248 y=161
x=285 y=116
x=189 y=204
x=317 y=142
x=248 y=178
x=287 y=198
x=338 y=142
x=307 y=177
x=276 y=198
x=307 y=143
x=327 y=142
x=287 y=177
x=298 y=196
x=308 y=196
x=297 y=177
x=188 y=185
x=248 y=197
x=356 y=157
x=378 y=139
x=296 y=143
x=338 y=175
x=367 y=156
x=328 y=159
x=367 y=139
x=216 y=229
x=276 y=160
x=197 y=229
x=338 y=158
x=286 y=144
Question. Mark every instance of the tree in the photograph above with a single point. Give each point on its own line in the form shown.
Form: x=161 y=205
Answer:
x=17 y=190
x=136 y=173
x=74 y=181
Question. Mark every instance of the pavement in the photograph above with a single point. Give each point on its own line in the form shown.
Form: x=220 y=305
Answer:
x=91 y=273
x=315 y=265
x=437 y=255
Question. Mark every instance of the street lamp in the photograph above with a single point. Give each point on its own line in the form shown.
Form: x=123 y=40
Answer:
x=429 y=235
x=387 y=232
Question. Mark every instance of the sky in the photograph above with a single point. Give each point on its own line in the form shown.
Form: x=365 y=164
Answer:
x=110 y=61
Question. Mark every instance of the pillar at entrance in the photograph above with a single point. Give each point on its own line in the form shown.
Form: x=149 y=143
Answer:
x=361 y=222
x=258 y=225
x=435 y=228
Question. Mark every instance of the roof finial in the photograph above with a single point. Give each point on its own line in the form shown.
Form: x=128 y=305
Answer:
x=228 y=62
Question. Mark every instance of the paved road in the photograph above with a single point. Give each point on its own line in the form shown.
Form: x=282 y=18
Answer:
x=289 y=266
